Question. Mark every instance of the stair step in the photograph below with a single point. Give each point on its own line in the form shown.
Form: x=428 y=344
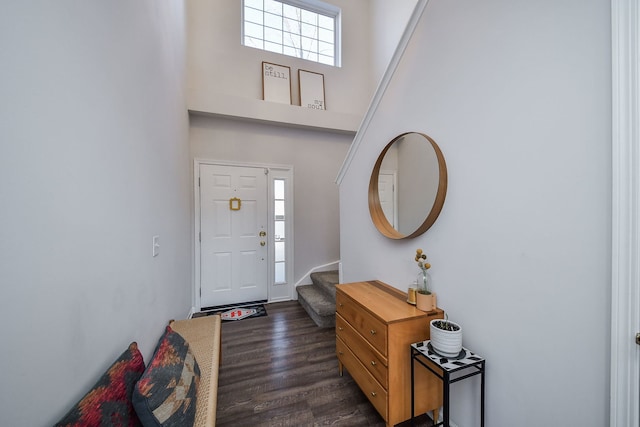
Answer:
x=327 y=281
x=320 y=307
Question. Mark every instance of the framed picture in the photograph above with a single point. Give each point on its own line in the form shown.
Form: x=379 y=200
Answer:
x=276 y=83
x=311 y=90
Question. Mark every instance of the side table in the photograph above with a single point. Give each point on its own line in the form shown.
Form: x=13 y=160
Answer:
x=443 y=368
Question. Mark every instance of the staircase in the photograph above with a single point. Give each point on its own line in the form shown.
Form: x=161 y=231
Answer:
x=319 y=299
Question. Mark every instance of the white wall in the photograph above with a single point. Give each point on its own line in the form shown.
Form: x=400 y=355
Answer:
x=225 y=83
x=227 y=75
x=94 y=161
x=219 y=66
x=388 y=21
x=517 y=95
x=316 y=158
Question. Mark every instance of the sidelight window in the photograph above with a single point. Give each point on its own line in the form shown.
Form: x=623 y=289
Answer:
x=279 y=235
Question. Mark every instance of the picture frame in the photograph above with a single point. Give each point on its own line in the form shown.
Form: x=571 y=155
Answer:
x=311 y=86
x=276 y=83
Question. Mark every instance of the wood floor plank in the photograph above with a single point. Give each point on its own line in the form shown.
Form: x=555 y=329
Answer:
x=282 y=370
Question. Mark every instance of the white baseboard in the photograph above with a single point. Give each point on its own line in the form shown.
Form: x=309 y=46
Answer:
x=191 y=312
x=306 y=278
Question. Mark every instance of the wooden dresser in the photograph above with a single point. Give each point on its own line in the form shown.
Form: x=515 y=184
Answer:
x=375 y=327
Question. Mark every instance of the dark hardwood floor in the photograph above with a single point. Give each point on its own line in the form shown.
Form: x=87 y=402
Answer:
x=281 y=370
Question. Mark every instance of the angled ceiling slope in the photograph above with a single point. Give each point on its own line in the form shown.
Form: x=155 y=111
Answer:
x=382 y=87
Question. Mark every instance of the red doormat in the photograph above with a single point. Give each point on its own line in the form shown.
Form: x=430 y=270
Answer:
x=231 y=314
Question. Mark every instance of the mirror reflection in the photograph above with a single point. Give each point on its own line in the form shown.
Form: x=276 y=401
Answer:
x=408 y=186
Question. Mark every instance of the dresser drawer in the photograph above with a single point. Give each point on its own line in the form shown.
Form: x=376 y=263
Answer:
x=376 y=394
x=371 y=329
x=370 y=358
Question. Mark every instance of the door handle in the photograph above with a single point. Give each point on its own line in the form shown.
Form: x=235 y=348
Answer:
x=638 y=338
x=262 y=243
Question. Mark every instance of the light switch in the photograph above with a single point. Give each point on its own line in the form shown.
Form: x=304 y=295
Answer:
x=156 y=245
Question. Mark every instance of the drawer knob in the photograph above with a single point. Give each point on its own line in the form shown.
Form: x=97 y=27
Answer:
x=340 y=328
x=373 y=332
x=373 y=363
x=373 y=393
x=341 y=305
x=340 y=353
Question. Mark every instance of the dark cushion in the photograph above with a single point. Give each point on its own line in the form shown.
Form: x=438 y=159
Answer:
x=166 y=393
x=108 y=403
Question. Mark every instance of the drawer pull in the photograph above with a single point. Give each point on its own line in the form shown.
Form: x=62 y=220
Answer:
x=373 y=332
x=373 y=363
x=341 y=305
x=373 y=393
x=340 y=328
x=340 y=353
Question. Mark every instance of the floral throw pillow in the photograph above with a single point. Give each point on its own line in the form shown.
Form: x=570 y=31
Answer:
x=108 y=403
x=166 y=393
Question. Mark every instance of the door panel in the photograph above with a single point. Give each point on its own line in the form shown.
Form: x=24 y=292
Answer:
x=233 y=264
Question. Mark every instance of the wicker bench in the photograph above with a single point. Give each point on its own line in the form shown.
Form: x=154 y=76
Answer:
x=203 y=336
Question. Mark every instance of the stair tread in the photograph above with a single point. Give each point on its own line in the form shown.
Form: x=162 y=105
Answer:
x=318 y=300
x=327 y=281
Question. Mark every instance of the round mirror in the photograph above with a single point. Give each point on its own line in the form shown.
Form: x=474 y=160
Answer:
x=408 y=186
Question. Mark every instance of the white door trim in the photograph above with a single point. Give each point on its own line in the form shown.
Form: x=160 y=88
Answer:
x=281 y=292
x=625 y=268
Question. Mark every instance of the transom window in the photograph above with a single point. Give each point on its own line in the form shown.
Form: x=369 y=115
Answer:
x=306 y=29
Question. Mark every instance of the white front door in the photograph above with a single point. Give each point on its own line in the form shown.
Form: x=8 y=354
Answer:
x=233 y=225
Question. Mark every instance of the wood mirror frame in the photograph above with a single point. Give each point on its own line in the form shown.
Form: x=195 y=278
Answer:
x=375 y=209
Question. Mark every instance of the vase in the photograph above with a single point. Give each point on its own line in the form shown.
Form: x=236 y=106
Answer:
x=424 y=281
x=425 y=302
x=425 y=299
x=446 y=343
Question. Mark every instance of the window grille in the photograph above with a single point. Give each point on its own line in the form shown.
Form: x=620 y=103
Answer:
x=306 y=29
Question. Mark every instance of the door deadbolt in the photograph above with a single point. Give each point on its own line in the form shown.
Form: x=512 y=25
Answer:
x=263 y=233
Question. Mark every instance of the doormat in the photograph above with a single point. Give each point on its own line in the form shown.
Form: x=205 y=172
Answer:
x=231 y=314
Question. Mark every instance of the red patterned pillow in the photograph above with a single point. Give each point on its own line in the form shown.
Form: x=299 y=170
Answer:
x=108 y=403
x=166 y=394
